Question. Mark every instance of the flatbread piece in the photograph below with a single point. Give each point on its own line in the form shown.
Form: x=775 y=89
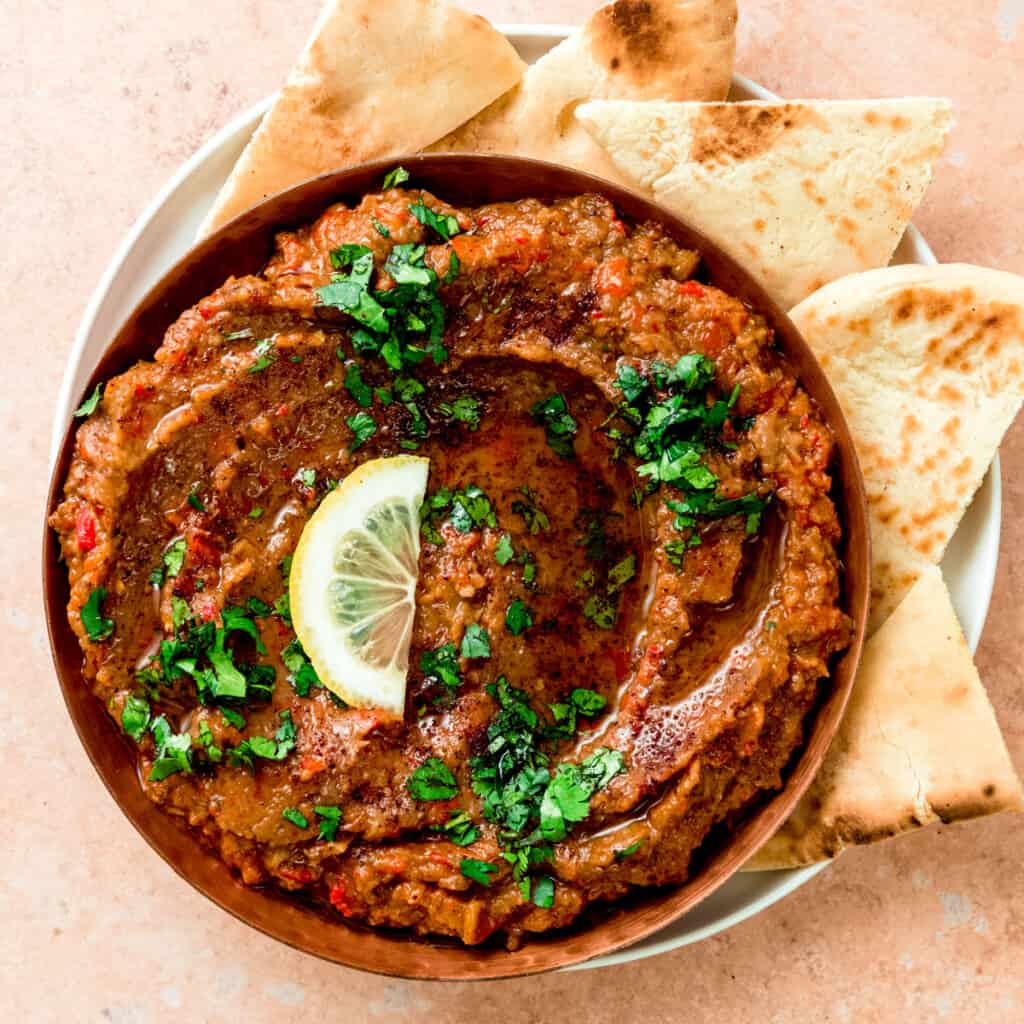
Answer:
x=373 y=81
x=928 y=365
x=800 y=192
x=919 y=742
x=641 y=49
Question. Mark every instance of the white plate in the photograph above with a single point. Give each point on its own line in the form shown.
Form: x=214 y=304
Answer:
x=166 y=229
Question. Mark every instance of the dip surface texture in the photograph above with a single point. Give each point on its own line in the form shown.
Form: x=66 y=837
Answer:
x=650 y=666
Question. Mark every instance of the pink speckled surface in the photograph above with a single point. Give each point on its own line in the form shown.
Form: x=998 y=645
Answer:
x=100 y=100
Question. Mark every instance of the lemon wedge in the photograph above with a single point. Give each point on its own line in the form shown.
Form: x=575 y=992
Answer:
x=353 y=582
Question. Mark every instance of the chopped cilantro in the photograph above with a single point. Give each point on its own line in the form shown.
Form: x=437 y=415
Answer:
x=302 y=675
x=552 y=413
x=180 y=611
x=173 y=751
x=264 y=352
x=566 y=799
x=276 y=749
x=453 y=268
x=444 y=224
x=433 y=780
x=503 y=550
x=601 y=610
x=256 y=513
x=245 y=332
x=361 y=392
x=295 y=816
x=237 y=619
x=96 y=627
x=465 y=409
x=196 y=502
x=534 y=516
x=330 y=819
x=135 y=716
x=233 y=718
x=621 y=573
x=475 y=642
x=88 y=406
x=518 y=617
x=363 y=428
x=460 y=829
x=380 y=228
x=305 y=477
x=544 y=891
x=395 y=177
x=174 y=558
x=478 y=870
x=628 y=851
x=466 y=509
x=442 y=666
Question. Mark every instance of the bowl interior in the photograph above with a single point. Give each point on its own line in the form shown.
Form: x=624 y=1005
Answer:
x=243 y=246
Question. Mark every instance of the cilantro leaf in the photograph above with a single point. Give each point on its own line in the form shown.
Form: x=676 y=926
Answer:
x=444 y=224
x=135 y=716
x=295 y=816
x=395 y=177
x=173 y=751
x=363 y=428
x=465 y=409
x=381 y=229
x=503 y=550
x=361 y=392
x=454 y=266
x=544 y=891
x=621 y=573
x=265 y=356
x=236 y=619
x=534 y=516
x=88 y=406
x=330 y=819
x=442 y=666
x=552 y=413
x=432 y=780
x=97 y=628
x=478 y=870
x=475 y=642
x=518 y=617
x=628 y=851
x=302 y=675
x=196 y=502
x=460 y=829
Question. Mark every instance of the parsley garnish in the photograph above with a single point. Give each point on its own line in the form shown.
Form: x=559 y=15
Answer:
x=174 y=558
x=475 y=642
x=363 y=428
x=96 y=627
x=453 y=268
x=567 y=797
x=433 y=780
x=233 y=718
x=196 y=502
x=395 y=177
x=330 y=819
x=276 y=749
x=380 y=228
x=295 y=816
x=518 y=617
x=478 y=870
x=88 y=407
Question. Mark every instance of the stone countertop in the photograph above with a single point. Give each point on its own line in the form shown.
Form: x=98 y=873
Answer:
x=102 y=100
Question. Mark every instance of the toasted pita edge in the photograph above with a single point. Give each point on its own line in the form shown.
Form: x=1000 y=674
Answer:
x=369 y=83
x=919 y=743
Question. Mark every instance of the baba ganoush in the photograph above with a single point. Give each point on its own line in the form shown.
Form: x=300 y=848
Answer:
x=629 y=592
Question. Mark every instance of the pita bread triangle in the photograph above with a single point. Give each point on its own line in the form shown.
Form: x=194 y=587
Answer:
x=919 y=742
x=370 y=83
x=928 y=365
x=664 y=49
x=799 y=192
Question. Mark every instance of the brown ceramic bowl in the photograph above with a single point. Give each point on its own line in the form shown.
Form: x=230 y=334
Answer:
x=243 y=247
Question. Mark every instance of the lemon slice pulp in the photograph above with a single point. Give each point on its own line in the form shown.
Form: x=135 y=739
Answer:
x=353 y=582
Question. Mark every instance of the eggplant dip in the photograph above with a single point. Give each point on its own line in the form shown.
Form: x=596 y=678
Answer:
x=627 y=593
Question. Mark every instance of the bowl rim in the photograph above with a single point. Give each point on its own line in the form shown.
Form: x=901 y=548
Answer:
x=400 y=954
